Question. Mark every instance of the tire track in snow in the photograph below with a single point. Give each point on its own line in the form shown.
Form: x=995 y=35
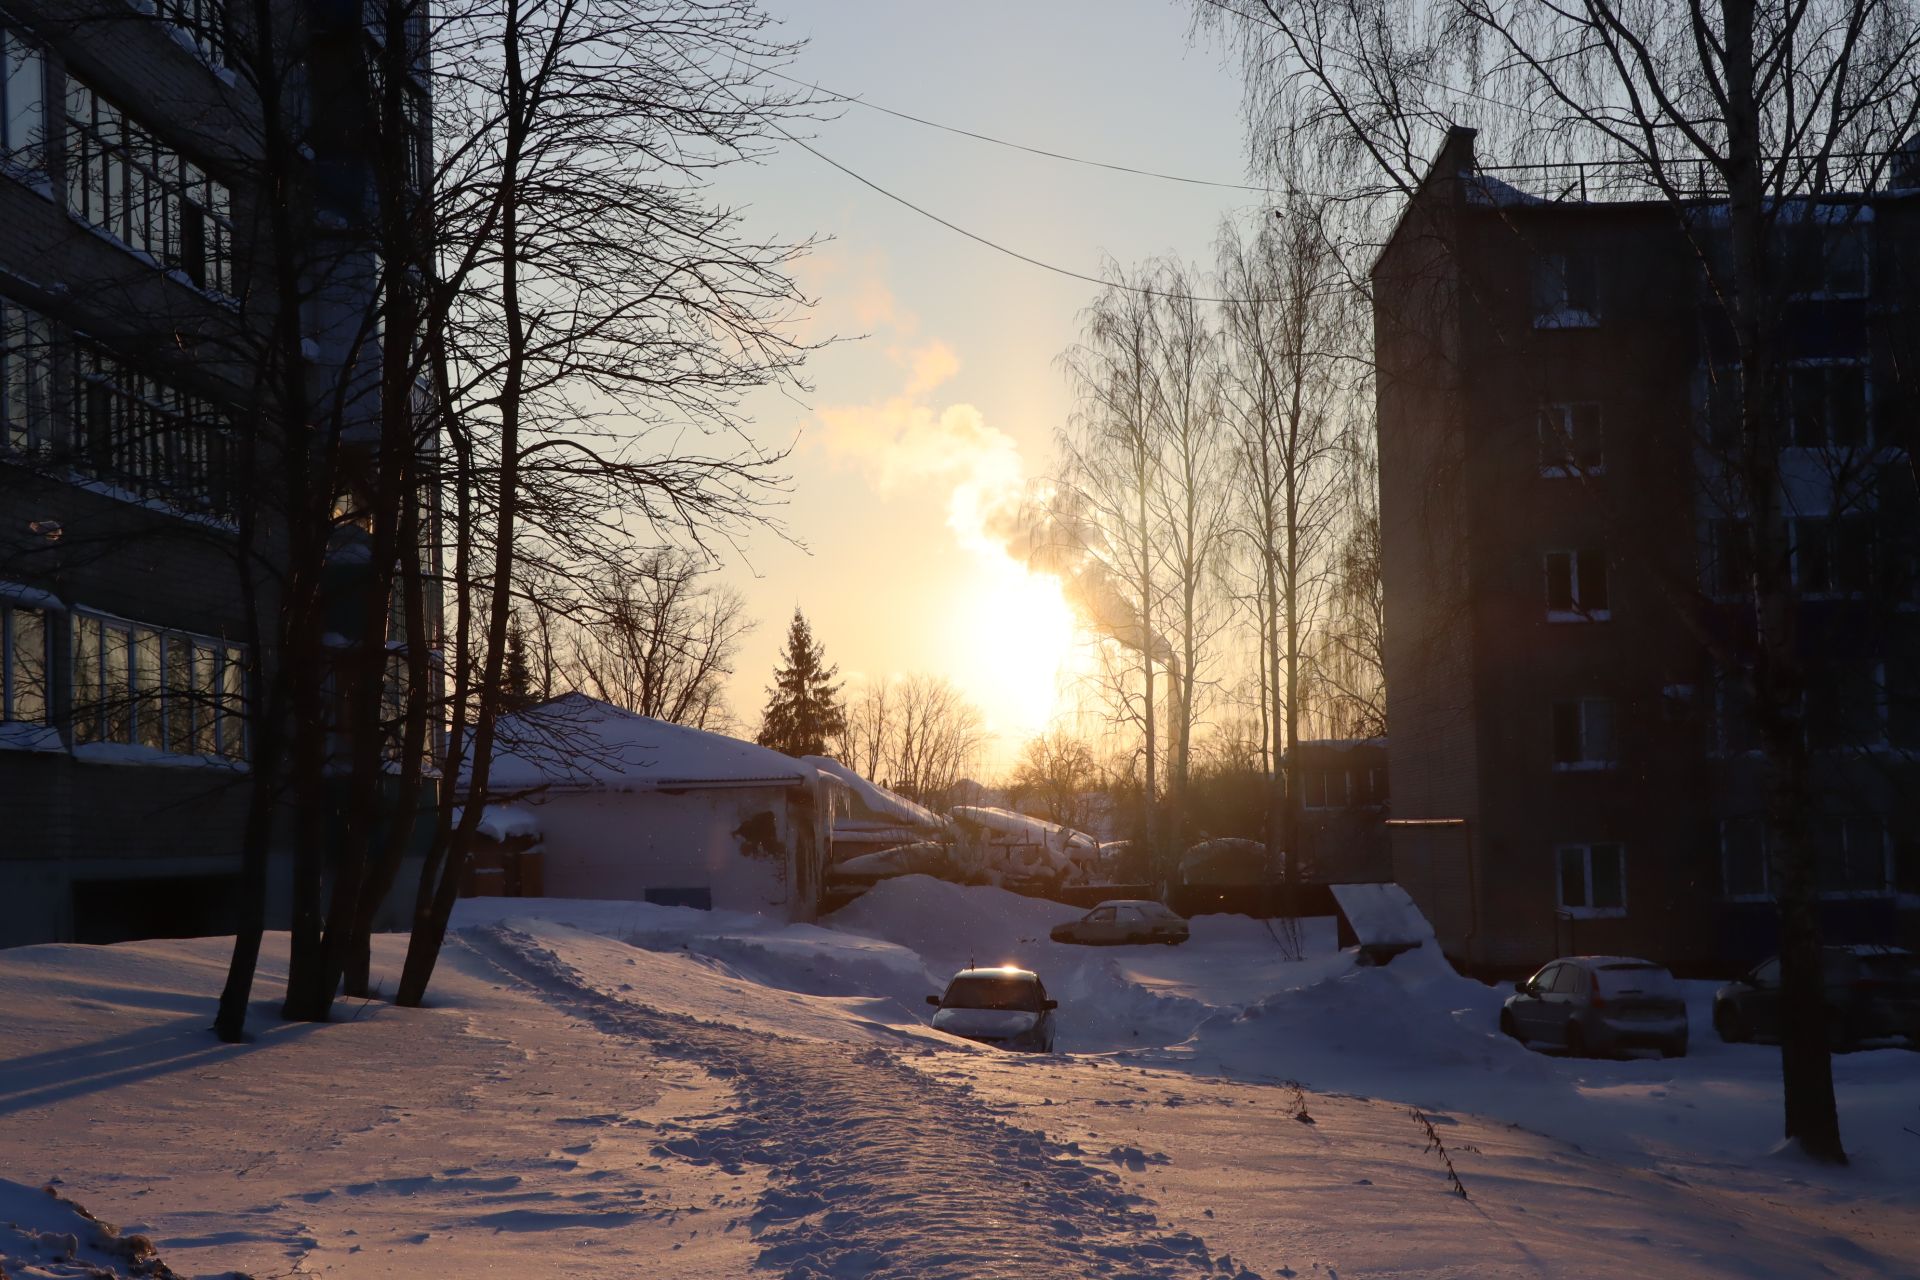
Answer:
x=877 y=1170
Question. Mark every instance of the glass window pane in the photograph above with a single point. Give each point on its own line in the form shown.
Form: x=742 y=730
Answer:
x=1597 y=727
x=1560 y=582
x=179 y=660
x=1609 y=875
x=25 y=105
x=1566 y=732
x=233 y=732
x=86 y=679
x=146 y=688
x=1573 y=876
x=1593 y=581
x=1743 y=861
x=116 y=690
x=28 y=677
x=206 y=677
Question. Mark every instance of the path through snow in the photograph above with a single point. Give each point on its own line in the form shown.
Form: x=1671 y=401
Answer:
x=876 y=1169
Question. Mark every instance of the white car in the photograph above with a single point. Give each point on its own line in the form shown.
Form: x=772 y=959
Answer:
x=1004 y=1007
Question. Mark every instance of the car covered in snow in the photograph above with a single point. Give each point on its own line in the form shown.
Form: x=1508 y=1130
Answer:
x=1598 y=1005
x=1124 y=920
x=1872 y=992
x=1004 y=1006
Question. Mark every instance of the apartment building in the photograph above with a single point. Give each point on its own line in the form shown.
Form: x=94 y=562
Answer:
x=135 y=289
x=1573 y=769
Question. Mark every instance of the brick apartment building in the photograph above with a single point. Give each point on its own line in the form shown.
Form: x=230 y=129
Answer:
x=132 y=272
x=1571 y=768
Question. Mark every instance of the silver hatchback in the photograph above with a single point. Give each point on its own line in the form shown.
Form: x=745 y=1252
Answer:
x=1599 y=1005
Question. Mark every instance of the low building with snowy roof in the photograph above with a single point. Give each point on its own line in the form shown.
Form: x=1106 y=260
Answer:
x=629 y=807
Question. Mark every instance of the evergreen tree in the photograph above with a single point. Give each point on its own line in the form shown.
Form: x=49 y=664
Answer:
x=803 y=706
x=520 y=687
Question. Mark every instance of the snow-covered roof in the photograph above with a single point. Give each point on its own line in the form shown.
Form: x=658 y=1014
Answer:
x=583 y=744
x=505 y=821
x=885 y=804
x=1019 y=826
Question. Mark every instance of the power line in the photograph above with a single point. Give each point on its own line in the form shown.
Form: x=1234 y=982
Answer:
x=1016 y=146
x=955 y=227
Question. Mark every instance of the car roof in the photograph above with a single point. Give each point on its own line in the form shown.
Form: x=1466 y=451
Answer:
x=998 y=971
x=1608 y=960
x=1130 y=902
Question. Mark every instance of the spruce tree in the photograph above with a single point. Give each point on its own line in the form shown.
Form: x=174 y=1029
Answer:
x=803 y=706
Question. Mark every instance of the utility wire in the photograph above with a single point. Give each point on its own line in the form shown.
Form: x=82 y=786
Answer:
x=1017 y=146
x=955 y=227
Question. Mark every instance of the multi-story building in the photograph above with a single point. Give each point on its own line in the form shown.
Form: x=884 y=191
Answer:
x=134 y=292
x=1572 y=769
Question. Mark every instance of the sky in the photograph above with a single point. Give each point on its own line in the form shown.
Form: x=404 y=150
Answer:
x=951 y=395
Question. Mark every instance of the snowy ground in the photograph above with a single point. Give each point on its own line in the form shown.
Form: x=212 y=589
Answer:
x=617 y=1089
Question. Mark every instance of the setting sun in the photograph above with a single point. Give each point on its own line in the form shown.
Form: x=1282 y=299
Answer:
x=1012 y=648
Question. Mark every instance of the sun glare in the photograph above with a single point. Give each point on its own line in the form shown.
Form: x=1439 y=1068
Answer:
x=1012 y=650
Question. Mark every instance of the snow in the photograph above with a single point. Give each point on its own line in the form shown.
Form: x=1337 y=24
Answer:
x=1018 y=826
x=1382 y=915
x=616 y=1089
x=505 y=821
x=579 y=742
x=882 y=802
x=43 y=1235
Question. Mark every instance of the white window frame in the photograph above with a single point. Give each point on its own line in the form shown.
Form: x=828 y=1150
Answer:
x=1587 y=764
x=1575 y=614
x=1589 y=911
x=1556 y=430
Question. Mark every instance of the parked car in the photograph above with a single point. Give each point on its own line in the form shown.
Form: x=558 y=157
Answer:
x=1599 y=1005
x=1006 y=1007
x=1872 y=992
x=1124 y=920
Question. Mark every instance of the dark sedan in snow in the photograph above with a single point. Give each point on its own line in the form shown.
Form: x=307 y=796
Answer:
x=1599 y=1004
x=1872 y=993
x=1004 y=1007
x=1123 y=921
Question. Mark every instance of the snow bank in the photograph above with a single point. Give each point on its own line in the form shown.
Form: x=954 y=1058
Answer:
x=951 y=924
x=43 y=1234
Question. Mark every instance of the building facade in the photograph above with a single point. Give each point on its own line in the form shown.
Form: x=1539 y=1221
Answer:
x=135 y=293
x=1572 y=767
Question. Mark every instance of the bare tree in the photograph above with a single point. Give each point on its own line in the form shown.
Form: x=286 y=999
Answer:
x=1287 y=330
x=1056 y=773
x=862 y=741
x=928 y=736
x=1748 y=108
x=659 y=640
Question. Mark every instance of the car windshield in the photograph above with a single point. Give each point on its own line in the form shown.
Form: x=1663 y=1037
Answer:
x=992 y=993
x=1635 y=980
x=1888 y=966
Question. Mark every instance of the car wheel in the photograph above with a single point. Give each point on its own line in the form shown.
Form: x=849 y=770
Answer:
x=1576 y=1041
x=1731 y=1026
x=1507 y=1025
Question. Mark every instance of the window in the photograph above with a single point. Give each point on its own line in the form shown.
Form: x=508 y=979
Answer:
x=1583 y=734
x=1832 y=555
x=1735 y=717
x=26 y=380
x=124 y=181
x=202 y=22
x=1593 y=880
x=1729 y=559
x=1901 y=684
x=1566 y=980
x=1380 y=793
x=164 y=690
x=1825 y=251
x=1577 y=586
x=147 y=434
x=1849 y=857
x=1323 y=788
x=23 y=665
x=1906 y=866
x=1827 y=406
x=1566 y=291
x=1842 y=706
x=1744 y=871
x=1570 y=439
x=23 y=105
